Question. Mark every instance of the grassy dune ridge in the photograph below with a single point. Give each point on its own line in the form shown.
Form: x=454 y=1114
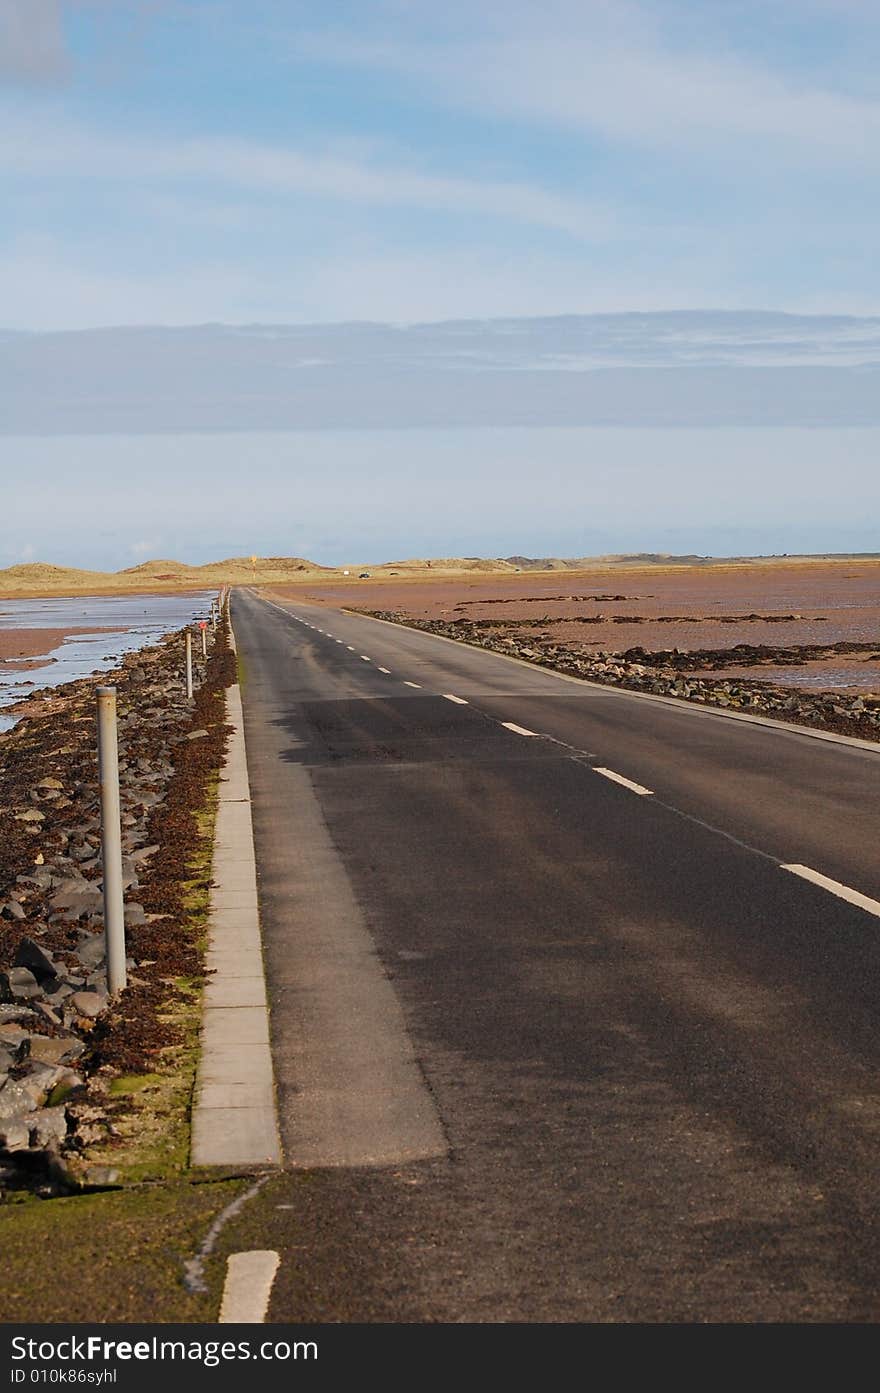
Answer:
x=33 y=579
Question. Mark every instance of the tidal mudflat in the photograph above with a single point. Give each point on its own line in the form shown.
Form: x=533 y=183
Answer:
x=46 y=642
x=807 y=624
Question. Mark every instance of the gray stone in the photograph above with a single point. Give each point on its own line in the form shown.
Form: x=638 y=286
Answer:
x=91 y=950
x=58 y=1049
x=31 y=815
x=88 y=1004
x=42 y=1080
x=11 y=1012
x=144 y=853
x=12 y=1035
x=18 y=984
x=15 y=1134
x=99 y=1177
x=47 y=1012
x=14 y=1099
x=13 y=910
x=48 y=1127
x=76 y=906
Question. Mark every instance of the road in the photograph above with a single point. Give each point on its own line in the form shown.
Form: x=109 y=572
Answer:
x=550 y=1046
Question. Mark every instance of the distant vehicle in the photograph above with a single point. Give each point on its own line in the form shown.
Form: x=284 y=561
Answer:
x=364 y=575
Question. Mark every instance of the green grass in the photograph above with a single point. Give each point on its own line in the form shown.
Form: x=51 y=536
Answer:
x=114 y=1256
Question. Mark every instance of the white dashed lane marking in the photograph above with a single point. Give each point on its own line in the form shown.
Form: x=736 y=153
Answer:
x=386 y=670
x=843 y=892
x=365 y=658
x=459 y=701
x=350 y=647
x=413 y=684
x=619 y=779
x=517 y=730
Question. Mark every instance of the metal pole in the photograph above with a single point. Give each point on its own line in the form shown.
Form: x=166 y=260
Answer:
x=189 y=666
x=111 y=840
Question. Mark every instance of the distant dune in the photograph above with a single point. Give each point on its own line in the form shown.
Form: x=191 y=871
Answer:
x=34 y=578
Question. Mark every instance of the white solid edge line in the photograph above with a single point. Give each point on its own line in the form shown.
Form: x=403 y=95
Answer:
x=517 y=730
x=619 y=779
x=413 y=684
x=459 y=701
x=836 y=888
x=248 y=1286
x=386 y=670
x=692 y=708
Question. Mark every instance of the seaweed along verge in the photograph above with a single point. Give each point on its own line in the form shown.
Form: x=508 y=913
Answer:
x=95 y=1090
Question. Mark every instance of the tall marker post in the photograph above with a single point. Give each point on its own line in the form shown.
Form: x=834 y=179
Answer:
x=189 y=666
x=111 y=840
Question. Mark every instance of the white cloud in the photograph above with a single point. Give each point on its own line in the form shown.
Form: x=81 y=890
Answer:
x=608 y=72
x=40 y=148
x=43 y=288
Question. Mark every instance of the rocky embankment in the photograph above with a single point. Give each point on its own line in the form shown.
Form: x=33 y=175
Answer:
x=62 y=1040
x=833 y=711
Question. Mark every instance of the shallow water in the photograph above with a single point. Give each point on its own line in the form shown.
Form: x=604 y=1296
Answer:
x=141 y=619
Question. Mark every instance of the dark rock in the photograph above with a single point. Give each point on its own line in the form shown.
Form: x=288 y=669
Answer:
x=13 y=910
x=30 y=955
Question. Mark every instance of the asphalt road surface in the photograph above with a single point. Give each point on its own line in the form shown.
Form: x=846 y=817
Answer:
x=557 y=1036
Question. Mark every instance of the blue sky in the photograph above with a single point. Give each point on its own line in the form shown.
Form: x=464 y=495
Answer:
x=180 y=161
x=289 y=162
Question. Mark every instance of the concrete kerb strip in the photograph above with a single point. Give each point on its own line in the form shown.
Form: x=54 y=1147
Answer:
x=234 y=1118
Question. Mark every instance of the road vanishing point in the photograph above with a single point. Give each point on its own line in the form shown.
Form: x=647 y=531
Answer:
x=574 y=995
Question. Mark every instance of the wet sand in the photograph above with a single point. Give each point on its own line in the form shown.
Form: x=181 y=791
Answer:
x=775 y=606
x=22 y=650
